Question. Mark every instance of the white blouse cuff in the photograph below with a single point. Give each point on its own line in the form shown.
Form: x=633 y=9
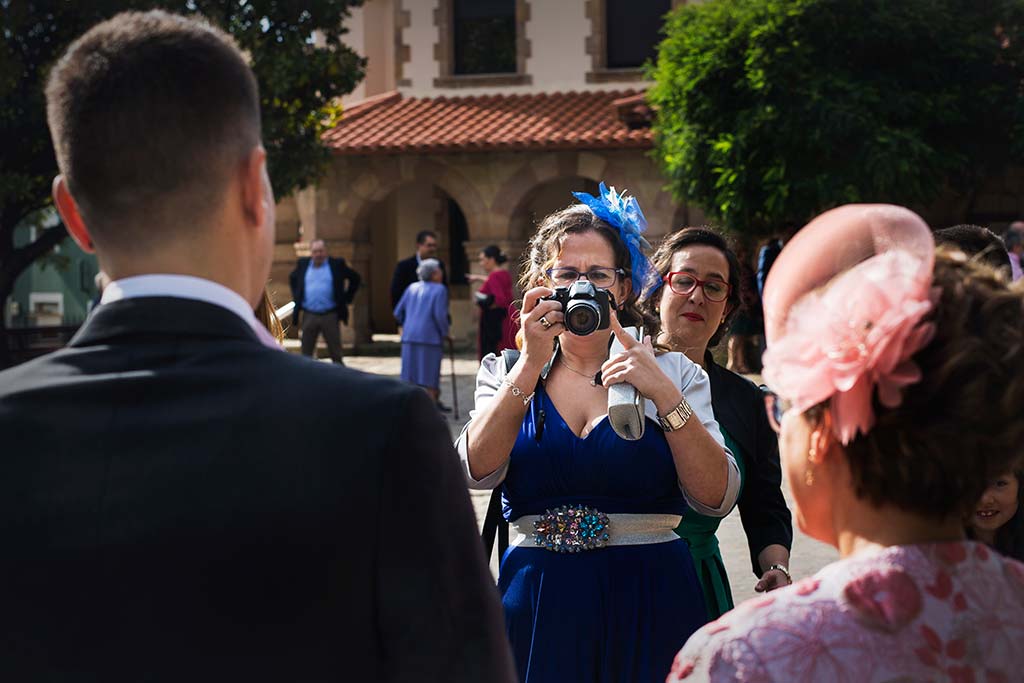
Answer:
x=732 y=493
x=489 y=481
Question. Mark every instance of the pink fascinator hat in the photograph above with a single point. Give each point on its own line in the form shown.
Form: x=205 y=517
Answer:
x=844 y=308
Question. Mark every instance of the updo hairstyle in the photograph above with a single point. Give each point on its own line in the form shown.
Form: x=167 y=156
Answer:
x=493 y=251
x=961 y=425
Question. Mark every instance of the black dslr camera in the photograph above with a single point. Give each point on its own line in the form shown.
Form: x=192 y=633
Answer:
x=585 y=306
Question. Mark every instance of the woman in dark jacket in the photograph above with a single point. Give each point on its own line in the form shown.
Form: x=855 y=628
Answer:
x=699 y=297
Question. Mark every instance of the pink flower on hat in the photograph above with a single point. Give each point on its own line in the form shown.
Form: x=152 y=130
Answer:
x=853 y=335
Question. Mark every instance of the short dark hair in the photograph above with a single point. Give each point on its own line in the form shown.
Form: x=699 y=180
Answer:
x=1012 y=237
x=706 y=236
x=1010 y=537
x=150 y=112
x=977 y=242
x=422 y=236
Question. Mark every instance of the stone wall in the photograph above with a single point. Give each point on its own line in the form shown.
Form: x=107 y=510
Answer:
x=369 y=208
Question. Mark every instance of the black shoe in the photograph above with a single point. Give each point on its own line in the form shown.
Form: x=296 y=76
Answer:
x=443 y=408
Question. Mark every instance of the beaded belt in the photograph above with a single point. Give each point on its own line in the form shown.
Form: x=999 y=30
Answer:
x=573 y=528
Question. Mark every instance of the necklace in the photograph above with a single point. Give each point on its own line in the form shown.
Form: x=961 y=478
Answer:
x=595 y=379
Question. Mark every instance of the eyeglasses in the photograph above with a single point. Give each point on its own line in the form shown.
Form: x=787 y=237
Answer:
x=683 y=283
x=599 y=277
x=776 y=407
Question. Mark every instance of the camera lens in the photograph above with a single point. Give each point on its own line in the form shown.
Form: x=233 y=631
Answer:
x=582 y=317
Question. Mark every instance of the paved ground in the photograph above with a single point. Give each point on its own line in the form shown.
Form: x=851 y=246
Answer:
x=808 y=555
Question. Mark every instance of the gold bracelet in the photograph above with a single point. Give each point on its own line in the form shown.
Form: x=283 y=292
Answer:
x=781 y=568
x=677 y=417
x=517 y=392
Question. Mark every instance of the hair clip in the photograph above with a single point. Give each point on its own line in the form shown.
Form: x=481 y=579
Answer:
x=624 y=214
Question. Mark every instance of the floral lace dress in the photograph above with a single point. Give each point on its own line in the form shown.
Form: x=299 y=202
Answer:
x=931 y=612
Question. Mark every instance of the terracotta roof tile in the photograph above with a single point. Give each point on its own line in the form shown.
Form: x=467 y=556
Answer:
x=392 y=124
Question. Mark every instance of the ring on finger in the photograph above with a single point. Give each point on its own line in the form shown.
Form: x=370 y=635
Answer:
x=544 y=322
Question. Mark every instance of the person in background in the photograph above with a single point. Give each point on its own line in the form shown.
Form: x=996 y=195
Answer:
x=422 y=315
x=405 y=270
x=322 y=289
x=695 y=304
x=899 y=376
x=497 y=326
x=1013 y=239
x=766 y=256
x=977 y=243
x=998 y=519
x=743 y=346
x=606 y=594
x=177 y=502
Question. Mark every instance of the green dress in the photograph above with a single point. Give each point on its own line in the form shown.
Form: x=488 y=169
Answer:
x=699 y=532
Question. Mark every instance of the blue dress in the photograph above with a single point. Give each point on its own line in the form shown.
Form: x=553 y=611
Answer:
x=613 y=615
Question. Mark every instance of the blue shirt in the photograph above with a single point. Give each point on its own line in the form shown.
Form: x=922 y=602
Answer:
x=318 y=294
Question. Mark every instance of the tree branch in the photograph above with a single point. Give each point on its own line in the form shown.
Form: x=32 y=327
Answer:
x=11 y=217
x=22 y=257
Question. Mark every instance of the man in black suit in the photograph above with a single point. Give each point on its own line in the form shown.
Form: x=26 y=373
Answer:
x=322 y=295
x=160 y=523
x=405 y=270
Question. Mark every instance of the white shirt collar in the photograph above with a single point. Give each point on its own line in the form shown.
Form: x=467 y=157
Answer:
x=185 y=287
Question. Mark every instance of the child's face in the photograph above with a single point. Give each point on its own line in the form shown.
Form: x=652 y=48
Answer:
x=998 y=504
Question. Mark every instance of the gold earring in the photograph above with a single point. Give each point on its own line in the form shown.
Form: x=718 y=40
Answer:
x=809 y=470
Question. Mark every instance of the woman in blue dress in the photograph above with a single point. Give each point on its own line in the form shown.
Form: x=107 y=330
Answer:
x=596 y=586
x=422 y=316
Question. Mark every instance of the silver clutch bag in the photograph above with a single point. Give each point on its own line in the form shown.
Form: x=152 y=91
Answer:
x=625 y=403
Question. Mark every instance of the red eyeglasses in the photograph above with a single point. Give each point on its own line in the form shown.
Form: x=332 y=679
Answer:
x=683 y=283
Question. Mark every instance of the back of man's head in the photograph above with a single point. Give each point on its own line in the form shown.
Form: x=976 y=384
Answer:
x=150 y=113
x=976 y=242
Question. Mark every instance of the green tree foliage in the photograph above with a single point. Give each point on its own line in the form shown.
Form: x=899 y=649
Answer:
x=770 y=111
x=295 y=50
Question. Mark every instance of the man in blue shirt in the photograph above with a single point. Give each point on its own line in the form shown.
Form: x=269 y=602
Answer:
x=322 y=289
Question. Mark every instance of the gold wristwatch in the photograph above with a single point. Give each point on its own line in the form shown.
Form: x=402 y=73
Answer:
x=677 y=417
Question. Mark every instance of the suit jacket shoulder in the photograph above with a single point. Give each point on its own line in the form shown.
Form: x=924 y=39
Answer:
x=168 y=463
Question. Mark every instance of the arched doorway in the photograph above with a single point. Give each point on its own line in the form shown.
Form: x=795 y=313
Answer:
x=543 y=199
x=392 y=224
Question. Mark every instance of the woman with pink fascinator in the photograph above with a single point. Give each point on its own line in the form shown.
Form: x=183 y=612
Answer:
x=899 y=376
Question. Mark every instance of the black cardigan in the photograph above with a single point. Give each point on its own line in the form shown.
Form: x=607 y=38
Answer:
x=739 y=408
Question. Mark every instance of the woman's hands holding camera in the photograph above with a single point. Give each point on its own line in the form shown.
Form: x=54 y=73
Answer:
x=638 y=366
x=541 y=321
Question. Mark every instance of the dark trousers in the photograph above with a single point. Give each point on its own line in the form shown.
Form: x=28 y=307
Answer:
x=326 y=324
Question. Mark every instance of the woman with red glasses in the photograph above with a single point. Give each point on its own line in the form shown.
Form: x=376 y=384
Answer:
x=900 y=376
x=696 y=304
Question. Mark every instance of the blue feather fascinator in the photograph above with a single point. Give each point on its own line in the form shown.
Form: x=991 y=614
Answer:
x=624 y=214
